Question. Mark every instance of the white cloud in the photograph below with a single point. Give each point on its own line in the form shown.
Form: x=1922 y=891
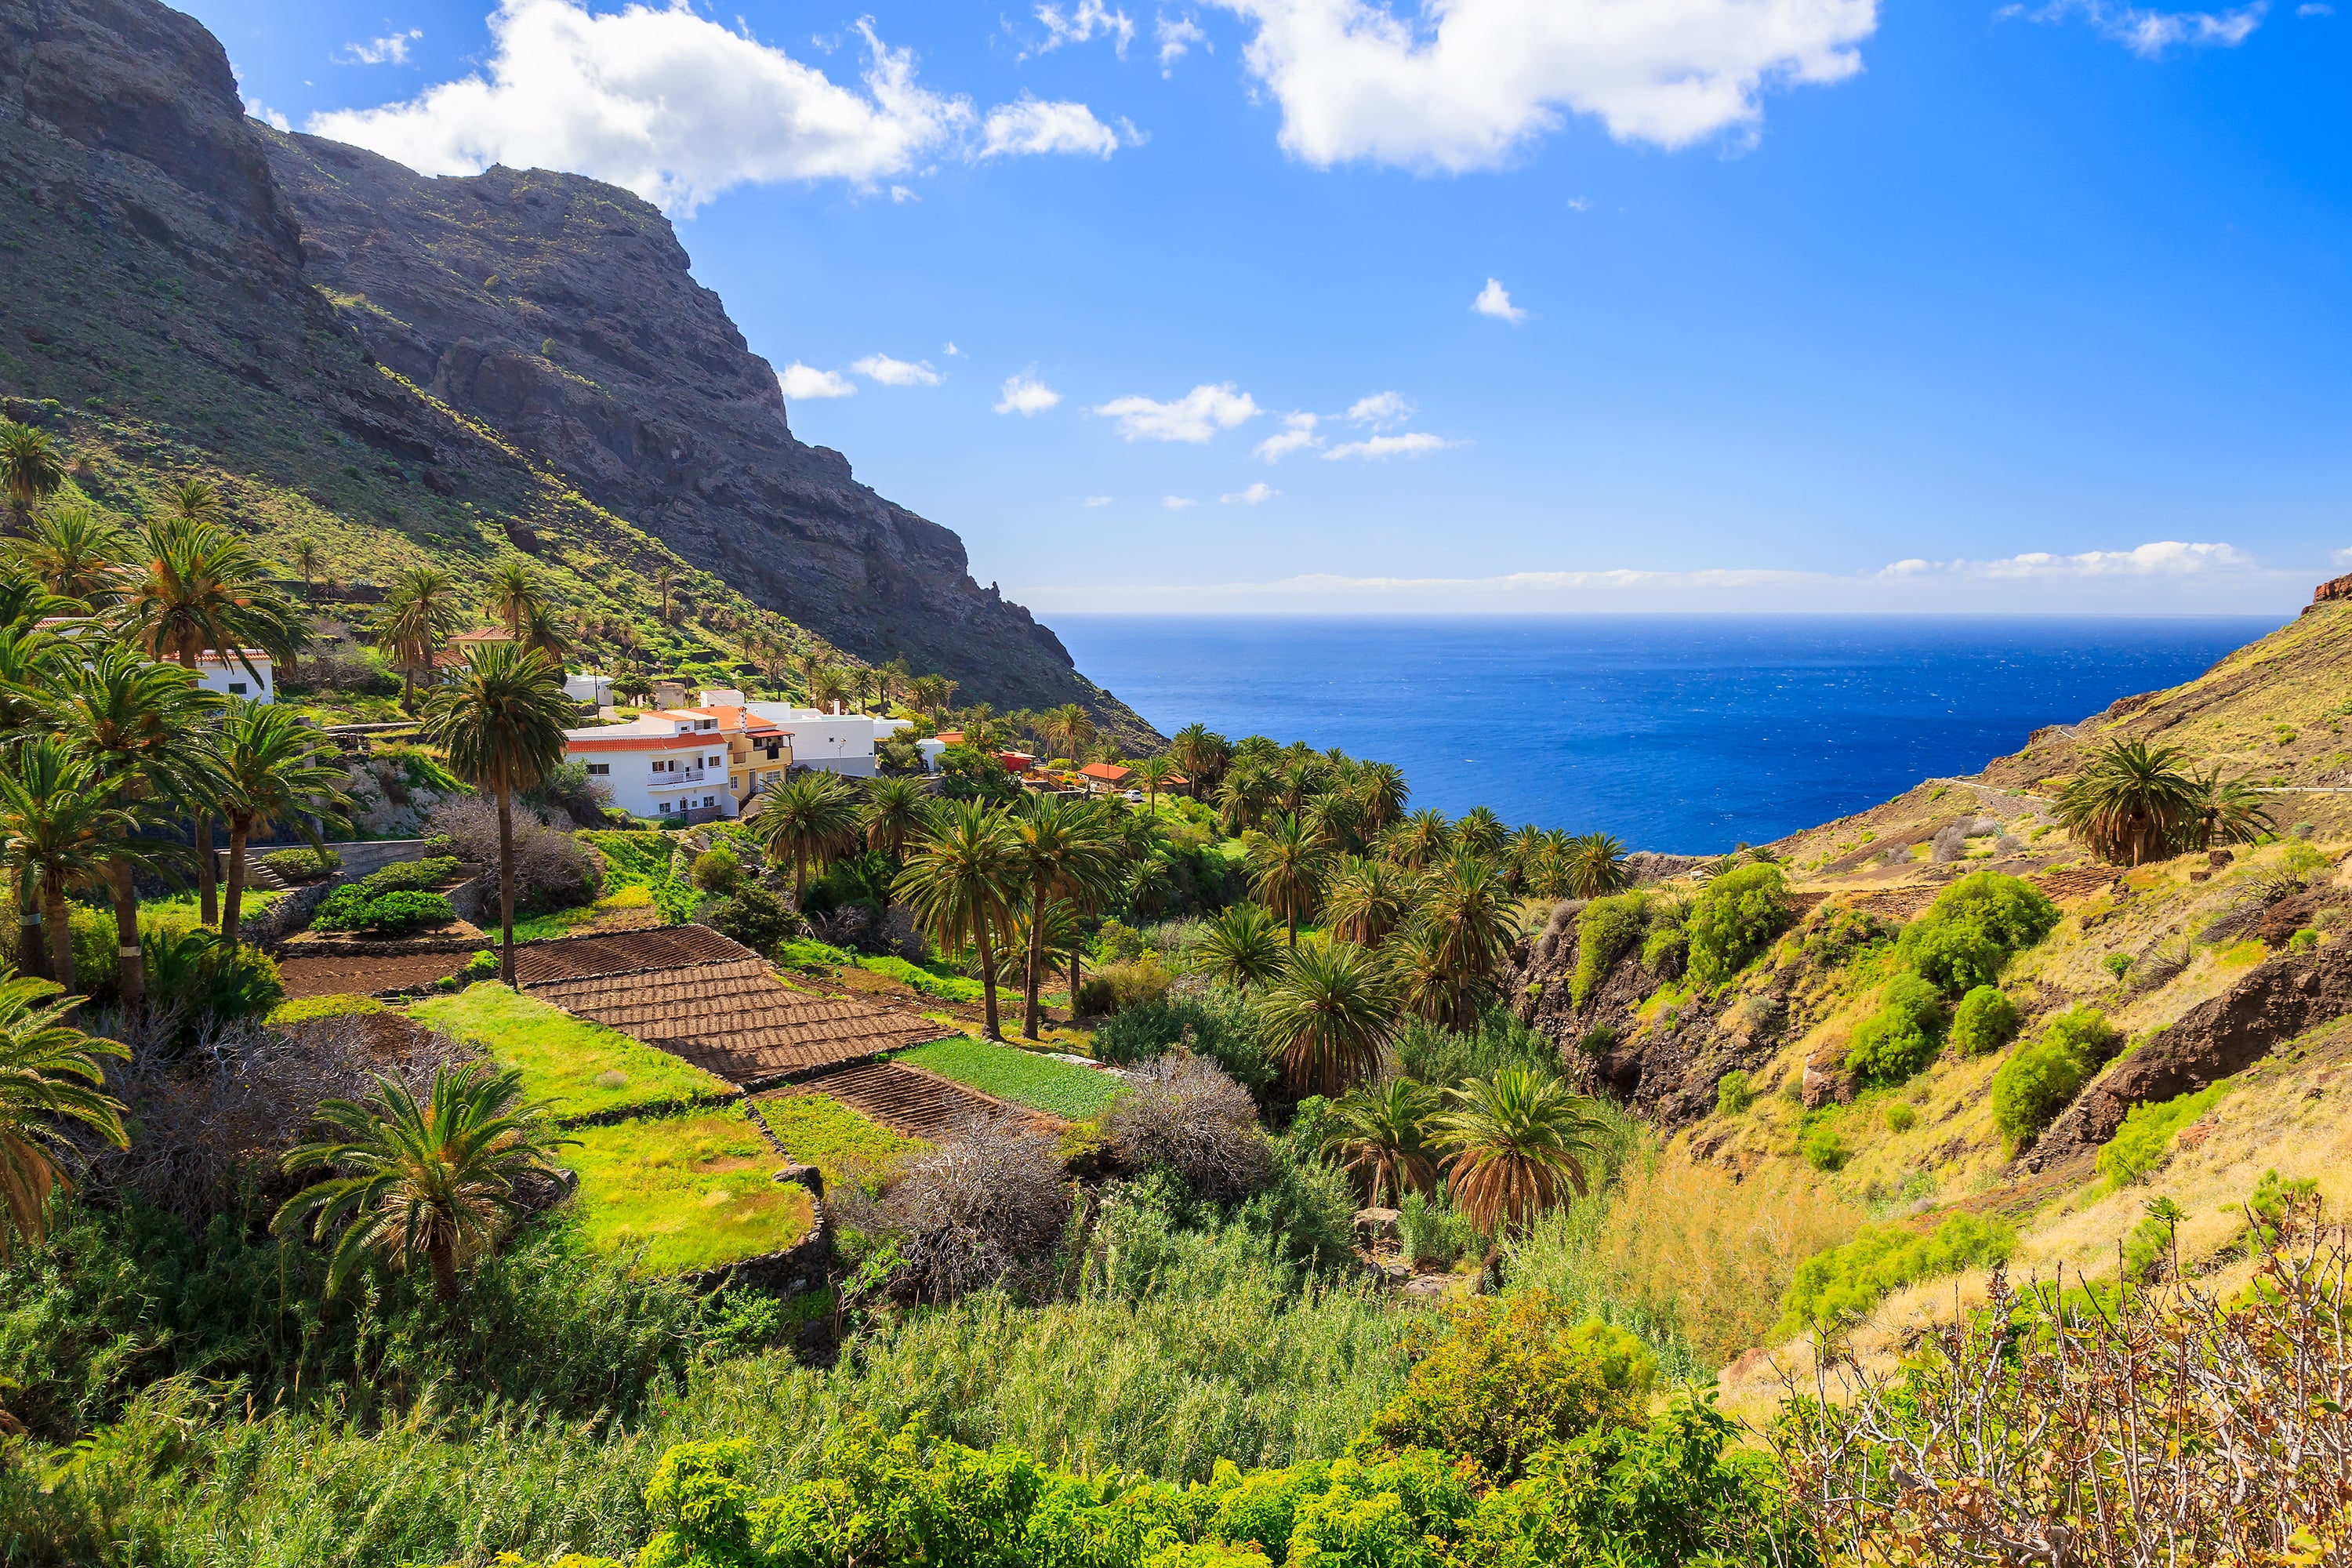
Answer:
x=2164 y=558
x=1260 y=491
x=1034 y=125
x=256 y=109
x=895 y=372
x=799 y=380
x=1177 y=34
x=2314 y=9
x=1495 y=300
x=952 y=351
x=1195 y=416
x=902 y=194
x=1025 y=394
x=1079 y=25
x=1097 y=500
x=1381 y=408
x=1380 y=448
x=1177 y=503
x=1465 y=84
x=2150 y=33
x=1297 y=435
x=390 y=49
x=1578 y=205
x=678 y=109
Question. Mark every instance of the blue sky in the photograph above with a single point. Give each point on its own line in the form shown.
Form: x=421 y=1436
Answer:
x=1520 y=305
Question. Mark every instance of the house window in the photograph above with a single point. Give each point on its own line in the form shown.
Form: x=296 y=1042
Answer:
x=598 y=768
x=236 y=688
x=710 y=800
x=665 y=808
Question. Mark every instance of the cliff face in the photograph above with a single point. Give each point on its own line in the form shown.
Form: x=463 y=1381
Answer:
x=180 y=276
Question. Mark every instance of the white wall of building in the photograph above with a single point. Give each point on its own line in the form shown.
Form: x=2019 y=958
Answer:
x=660 y=765
x=837 y=742
x=231 y=678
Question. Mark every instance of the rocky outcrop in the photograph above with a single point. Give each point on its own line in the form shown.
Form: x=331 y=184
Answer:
x=2272 y=1005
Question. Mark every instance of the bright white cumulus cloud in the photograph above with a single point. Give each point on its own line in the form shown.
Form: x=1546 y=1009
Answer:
x=1495 y=300
x=895 y=372
x=678 y=109
x=1196 y=416
x=1026 y=394
x=805 y=381
x=1464 y=84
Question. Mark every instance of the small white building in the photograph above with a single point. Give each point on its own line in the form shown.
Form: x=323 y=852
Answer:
x=231 y=677
x=587 y=686
x=837 y=742
x=699 y=763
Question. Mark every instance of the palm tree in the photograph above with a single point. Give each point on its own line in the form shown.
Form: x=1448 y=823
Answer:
x=1418 y=841
x=500 y=719
x=1376 y=1133
x=932 y=693
x=1480 y=831
x=1519 y=1139
x=436 y=1181
x=133 y=719
x=2229 y=811
x=194 y=501
x=895 y=809
x=1201 y=752
x=827 y=686
x=963 y=882
x=306 y=557
x=2132 y=801
x=542 y=628
x=1368 y=900
x=1333 y=817
x=1065 y=857
x=810 y=820
x=41 y=1055
x=516 y=596
x=1381 y=791
x=418 y=615
x=897 y=675
x=664 y=582
x=273 y=768
x=1466 y=913
x=1594 y=867
x=1154 y=774
x=1287 y=863
x=31 y=468
x=1328 y=1017
x=60 y=825
x=76 y=553
x=1298 y=780
x=1069 y=728
x=1242 y=797
x=1242 y=946
x=1426 y=985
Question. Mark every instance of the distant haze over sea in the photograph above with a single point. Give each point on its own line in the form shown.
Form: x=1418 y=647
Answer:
x=1675 y=732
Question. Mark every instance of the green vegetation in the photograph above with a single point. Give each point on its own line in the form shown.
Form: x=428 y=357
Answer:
x=304 y=1008
x=1968 y=934
x=1738 y=912
x=408 y=876
x=1024 y=1078
x=1985 y=1021
x=1823 y=1147
x=2141 y=1143
x=302 y=863
x=818 y=1130
x=2041 y=1079
x=1898 y=1038
x=1604 y=931
x=384 y=914
x=1835 y=1288
x=647 y=860
x=685 y=1192
x=581 y=1068
x=1733 y=1093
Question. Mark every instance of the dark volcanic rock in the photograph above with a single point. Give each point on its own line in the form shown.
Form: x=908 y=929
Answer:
x=561 y=311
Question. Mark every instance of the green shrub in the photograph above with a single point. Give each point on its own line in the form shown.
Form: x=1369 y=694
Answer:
x=1733 y=918
x=2117 y=965
x=1447 y=1059
x=1973 y=927
x=1115 y=987
x=407 y=876
x=2149 y=1245
x=1733 y=1093
x=1220 y=1026
x=2139 y=1144
x=302 y=863
x=1606 y=928
x=1985 y=1021
x=1823 y=1147
x=2273 y=1197
x=1901 y=1116
x=189 y=973
x=717 y=870
x=802 y=952
x=2041 y=1079
x=1898 y=1038
x=1432 y=1230
x=1666 y=950
x=391 y=914
x=1846 y=1282
x=2304 y=940
x=304 y=1008
x=763 y=922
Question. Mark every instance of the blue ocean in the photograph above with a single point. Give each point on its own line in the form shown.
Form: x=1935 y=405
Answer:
x=1676 y=732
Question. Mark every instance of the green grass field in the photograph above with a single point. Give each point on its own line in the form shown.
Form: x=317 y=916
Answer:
x=585 y=1068
x=818 y=1130
x=1022 y=1077
x=694 y=1190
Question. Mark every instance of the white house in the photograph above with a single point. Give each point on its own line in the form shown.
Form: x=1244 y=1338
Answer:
x=695 y=762
x=587 y=686
x=836 y=742
x=231 y=678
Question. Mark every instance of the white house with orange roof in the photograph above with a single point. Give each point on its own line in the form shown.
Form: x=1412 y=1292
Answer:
x=698 y=763
x=247 y=674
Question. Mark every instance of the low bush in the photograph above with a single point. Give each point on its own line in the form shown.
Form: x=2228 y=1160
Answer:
x=191 y=975
x=304 y=1008
x=764 y=923
x=302 y=863
x=2140 y=1145
x=1846 y=1282
x=1733 y=918
x=988 y=1207
x=1307 y=1214
x=1968 y=934
x=410 y=876
x=1823 y=1147
x=1734 y=1093
x=1985 y=1021
x=1447 y=1059
x=1899 y=1037
x=1219 y=1024
x=2041 y=1079
x=1901 y=1116
x=717 y=870
x=553 y=870
x=388 y=914
x=1606 y=930
x=1429 y=1229
x=1115 y=987
x=1181 y=1112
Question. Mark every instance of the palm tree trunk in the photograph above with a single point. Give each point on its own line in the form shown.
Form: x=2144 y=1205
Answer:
x=1293 y=918
x=800 y=879
x=1030 y=1010
x=233 y=896
x=443 y=1259
x=506 y=894
x=408 y=687
x=994 y=1029
x=32 y=945
x=1076 y=958
x=61 y=962
x=130 y=965
x=207 y=872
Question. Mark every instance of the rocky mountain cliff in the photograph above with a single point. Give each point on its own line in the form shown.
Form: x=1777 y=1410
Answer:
x=395 y=367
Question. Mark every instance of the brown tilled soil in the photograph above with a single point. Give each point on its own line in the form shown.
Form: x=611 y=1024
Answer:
x=623 y=953
x=348 y=973
x=909 y=1102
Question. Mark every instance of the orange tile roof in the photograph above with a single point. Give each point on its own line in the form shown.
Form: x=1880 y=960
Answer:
x=1105 y=773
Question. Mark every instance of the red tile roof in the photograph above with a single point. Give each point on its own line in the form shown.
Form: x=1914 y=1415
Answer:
x=1106 y=772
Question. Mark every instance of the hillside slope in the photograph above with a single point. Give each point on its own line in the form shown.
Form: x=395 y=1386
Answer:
x=336 y=364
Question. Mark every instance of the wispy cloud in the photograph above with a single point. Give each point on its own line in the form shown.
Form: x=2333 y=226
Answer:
x=1177 y=503
x=1379 y=448
x=895 y=372
x=2163 y=558
x=2150 y=33
x=1026 y=394
x=1196 y=416
x=1381 y=409
x=1297 y=433
x=1176 y=36
x=1097 y=500
x=390 y=49
x=1495 y=300
x=1260 y=491
x=803 y=381
x=1032 y=125
x=1087 y=20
